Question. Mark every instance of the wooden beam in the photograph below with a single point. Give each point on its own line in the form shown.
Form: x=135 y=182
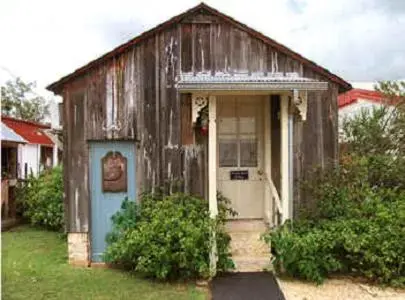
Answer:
x=284 y=166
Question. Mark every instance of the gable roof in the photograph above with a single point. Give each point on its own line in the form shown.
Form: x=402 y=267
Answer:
x=31 y=132
x=56 y=86
x=354 y=95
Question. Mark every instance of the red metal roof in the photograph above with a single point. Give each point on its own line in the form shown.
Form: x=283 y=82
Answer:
x=32 y=132
x=57 y=86
x=353 y=95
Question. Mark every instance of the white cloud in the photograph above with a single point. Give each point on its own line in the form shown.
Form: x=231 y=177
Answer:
x=359 y=40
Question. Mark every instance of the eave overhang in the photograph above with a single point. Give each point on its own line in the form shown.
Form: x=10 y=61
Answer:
x=245 y=82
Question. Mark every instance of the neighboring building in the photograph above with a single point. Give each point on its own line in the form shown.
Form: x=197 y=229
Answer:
x=39 y=151
x=10 y=141
x=203 y=99
x=356 y=100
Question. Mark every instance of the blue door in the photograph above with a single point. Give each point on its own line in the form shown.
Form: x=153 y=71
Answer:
x=112 y=179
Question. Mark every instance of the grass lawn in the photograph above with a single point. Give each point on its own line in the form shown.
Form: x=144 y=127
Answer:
x=34 y=266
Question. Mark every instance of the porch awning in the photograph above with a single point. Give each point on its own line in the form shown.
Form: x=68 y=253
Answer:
x=246 y=82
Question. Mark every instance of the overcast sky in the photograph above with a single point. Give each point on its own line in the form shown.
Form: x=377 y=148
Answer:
x=360 y=40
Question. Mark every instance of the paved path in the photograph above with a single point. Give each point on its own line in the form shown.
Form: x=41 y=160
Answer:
x=246 y=286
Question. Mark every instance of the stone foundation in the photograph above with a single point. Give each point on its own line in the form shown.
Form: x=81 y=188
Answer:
x=78 y=249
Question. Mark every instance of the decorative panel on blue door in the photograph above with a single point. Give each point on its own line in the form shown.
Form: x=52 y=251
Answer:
x=112 y=179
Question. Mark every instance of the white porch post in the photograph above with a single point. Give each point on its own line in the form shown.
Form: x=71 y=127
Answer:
x=55 y=155
x=284 y=167
x=212 y=174
x=212 y=156
x=268 y=208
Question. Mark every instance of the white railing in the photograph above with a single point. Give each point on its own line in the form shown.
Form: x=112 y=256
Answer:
x=276 y=203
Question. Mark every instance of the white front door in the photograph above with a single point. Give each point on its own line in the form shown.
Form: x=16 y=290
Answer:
x=240 y=153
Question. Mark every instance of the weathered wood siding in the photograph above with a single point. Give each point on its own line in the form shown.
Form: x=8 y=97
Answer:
x=137 y=88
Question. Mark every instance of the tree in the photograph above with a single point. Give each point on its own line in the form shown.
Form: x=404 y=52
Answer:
x=19 y=100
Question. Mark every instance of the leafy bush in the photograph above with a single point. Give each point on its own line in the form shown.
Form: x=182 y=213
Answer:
x=41 y=199
x=357 y=225
x=369 y=246
x=168 y=237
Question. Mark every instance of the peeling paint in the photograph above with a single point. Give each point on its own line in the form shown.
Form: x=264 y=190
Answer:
x=77 y=217
x=75 y=115
x=169 y=141
x=202 y=54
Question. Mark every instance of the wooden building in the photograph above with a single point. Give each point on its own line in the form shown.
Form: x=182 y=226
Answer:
x=203 y=100
x=10 y=141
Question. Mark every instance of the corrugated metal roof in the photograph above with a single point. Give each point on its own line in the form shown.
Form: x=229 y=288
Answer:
x=7 y=134
x=243 y=77
x=32 y=132
x=245 y=81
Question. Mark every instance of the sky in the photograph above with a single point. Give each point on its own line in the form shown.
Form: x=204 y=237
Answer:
x=359 y=40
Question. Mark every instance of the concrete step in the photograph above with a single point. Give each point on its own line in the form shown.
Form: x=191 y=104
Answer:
x=248 y=243
x=252 y=264
x=249 y=252
x=246 y=226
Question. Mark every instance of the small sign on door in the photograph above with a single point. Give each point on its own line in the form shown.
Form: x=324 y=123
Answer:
x=114 y=172
x=239 y=175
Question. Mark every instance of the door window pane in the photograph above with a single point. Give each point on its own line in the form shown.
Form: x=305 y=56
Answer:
x=247 y=125
x=228 y=152
x=248 y=152
x=227 y=125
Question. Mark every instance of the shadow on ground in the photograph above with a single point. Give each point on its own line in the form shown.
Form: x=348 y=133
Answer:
x=246 y=286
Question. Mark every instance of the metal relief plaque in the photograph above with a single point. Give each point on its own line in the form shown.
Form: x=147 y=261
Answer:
x=114 y=172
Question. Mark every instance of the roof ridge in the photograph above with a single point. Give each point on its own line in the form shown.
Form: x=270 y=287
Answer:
x=55 y=86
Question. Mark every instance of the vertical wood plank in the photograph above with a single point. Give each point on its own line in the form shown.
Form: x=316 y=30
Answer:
x=203 y=48
x=187 y=133
x=186 y=48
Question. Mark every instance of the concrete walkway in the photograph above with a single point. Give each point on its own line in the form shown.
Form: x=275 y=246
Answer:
x=246 y=286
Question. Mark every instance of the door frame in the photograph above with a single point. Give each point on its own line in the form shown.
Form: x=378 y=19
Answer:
x=257 y=173
x=285 y=163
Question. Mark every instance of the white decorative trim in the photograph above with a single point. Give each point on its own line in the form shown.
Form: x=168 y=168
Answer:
x=199 y=101
x=301 y=102
x=112 y=127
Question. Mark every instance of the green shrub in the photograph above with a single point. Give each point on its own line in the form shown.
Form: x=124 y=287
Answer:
x=370 y=246
x=168 y=237
x=356 y=227
x=41 y=199
x=355 y=222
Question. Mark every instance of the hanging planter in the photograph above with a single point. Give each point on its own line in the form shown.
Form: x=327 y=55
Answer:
x=202 y=121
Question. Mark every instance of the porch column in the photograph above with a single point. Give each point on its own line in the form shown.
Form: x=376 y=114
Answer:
x=212 y=156
x=212 y=175
x=284 y=165
x=55 y=155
